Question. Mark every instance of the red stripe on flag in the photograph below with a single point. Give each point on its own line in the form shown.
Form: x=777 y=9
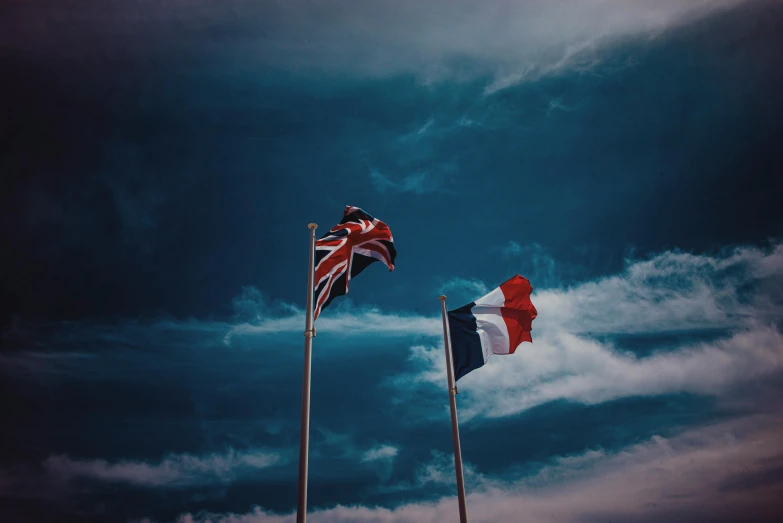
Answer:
x=518 y=311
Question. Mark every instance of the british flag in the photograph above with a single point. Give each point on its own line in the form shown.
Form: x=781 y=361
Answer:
x=342 y=253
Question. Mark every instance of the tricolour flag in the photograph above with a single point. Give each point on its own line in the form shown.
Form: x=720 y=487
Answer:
x=494 y=324
x=342 y=253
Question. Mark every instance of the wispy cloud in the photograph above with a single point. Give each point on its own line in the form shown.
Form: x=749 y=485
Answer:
x=355 y=323
x=253 y=305
x=420 y=132
x=380 y=453
x=463 y=290
x=405 y=164
x=418 y=183
x=708 y=473
x=174 y=470
x=535 y=262
x=379 y=457
x=440 y=470
x=668 y=292
x=343 y=445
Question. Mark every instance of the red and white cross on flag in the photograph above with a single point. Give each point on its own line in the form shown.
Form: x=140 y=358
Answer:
x=342 y=253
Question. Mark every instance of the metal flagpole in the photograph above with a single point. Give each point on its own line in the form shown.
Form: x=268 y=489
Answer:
x=304 y=434
x=463 y=511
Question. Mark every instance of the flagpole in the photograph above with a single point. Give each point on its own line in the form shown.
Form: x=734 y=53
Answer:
x=304 y=434
x=463 y=511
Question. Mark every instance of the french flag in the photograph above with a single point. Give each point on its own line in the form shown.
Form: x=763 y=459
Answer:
x=494 y=324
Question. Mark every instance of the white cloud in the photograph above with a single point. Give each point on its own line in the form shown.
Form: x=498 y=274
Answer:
x=730 y=471
x=355 y=323
x=380 y=453
x=172 y=471
x=670 y=292
x=565 y=366
x=667 y=294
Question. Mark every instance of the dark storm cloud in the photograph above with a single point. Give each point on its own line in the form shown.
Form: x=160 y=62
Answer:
x=435 y=40
x=152 y=164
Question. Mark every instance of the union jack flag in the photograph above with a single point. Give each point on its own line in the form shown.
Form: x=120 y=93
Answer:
x=342 y=253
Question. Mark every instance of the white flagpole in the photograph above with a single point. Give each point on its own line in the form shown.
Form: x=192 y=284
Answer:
x=463 y=511
x=304 y=434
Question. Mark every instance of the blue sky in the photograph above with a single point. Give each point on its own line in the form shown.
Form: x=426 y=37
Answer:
x=161 y=162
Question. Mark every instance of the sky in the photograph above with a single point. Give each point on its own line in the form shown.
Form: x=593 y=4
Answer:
x=160 y=163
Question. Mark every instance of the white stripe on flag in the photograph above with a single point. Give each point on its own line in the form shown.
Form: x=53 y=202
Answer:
x=491 y=327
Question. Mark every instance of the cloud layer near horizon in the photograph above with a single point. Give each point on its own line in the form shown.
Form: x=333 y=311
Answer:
x=720 y=473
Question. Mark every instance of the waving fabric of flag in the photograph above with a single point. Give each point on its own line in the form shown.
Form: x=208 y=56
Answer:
x=494 y=324
x=342 y=253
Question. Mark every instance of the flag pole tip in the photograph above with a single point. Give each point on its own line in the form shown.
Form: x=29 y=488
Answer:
x=313 y=226
x=442 y=297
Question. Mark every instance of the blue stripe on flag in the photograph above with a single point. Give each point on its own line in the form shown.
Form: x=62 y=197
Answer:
x=465 y=341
